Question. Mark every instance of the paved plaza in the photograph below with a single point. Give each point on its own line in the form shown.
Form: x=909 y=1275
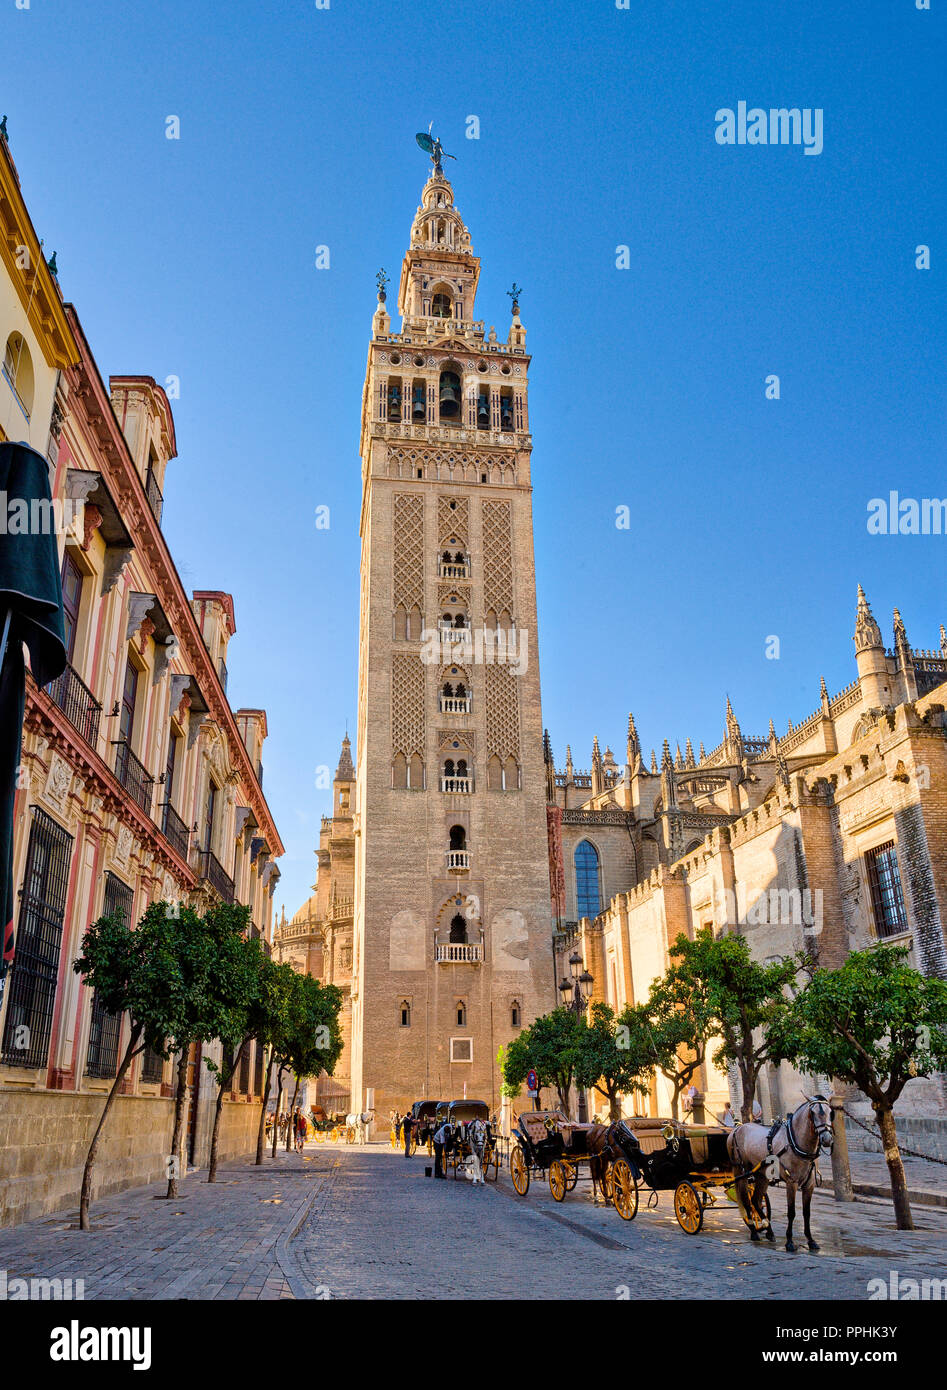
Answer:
x=363 y=1222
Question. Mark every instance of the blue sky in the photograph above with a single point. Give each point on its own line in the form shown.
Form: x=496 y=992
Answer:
x=196 y=258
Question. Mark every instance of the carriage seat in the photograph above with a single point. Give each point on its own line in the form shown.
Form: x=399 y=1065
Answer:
x=533 y=1123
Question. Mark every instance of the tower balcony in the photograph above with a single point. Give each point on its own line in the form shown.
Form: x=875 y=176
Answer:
x=449 y=633
x=455 y=704
x=453 y=570
x=460 y=785
x=458 y=953
x=458 y=861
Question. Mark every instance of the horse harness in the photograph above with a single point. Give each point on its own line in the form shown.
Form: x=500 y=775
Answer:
x=810 y=1158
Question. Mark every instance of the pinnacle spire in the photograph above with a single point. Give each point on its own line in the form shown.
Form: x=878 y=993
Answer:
x=654 y=762
x=345 y=772
x=689 y=754
x=867 y=631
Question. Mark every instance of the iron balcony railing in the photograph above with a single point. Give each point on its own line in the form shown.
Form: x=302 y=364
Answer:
x=153 y=493
x=77 y=703
x=133 y=775
x=211 y=869
x=455 y=953
x=222 y=673
x=174 y=829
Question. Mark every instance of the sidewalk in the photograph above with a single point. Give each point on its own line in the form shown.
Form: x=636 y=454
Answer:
x=926 y=1180
x=217 y=1240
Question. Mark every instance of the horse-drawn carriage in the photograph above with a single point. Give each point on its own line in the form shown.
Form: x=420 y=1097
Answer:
x=473 y=1137
x=423 y=1124
x=689 y=1160
x=549 y=1145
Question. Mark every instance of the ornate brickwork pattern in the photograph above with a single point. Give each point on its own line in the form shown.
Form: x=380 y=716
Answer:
x=497 y=556
x=503 y=713
x=453 y=521
x=462 y=465
x=408 y=551
x=407 y=705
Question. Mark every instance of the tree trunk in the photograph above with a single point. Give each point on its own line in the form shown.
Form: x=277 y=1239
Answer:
x=180 y=1101
x=614 y=1107
x=279 y=1102
x=899 y=1187
x=290 y=1131
x=261 y=1132
x=223 y=1081
x=85 y=1196
x=747 y=1087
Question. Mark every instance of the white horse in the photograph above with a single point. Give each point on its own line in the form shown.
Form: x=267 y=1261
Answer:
x=796 y=1143
x=477 y=1133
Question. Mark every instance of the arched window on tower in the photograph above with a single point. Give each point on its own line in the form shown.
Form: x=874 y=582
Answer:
x=399 y=772
x=441 y=306
x=405 y=1014
x=458 y=930
x=449 y=394
x=416 y=773
x=461 y=1014
x=588 y=898
x=516 y=1014
x=458 y=837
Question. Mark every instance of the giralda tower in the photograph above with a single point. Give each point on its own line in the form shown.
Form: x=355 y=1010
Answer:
x=452 y=939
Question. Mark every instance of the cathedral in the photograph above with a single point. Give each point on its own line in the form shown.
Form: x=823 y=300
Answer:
x=462 y=874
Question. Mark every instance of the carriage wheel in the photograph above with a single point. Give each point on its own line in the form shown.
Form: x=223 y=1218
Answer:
x=491 y=1159
x=412 y=1146
x=334 y=1134
x=624 y=1189
x=559 y=1178
x=688 y=1208
x=572 y=1174
x=350 y=1135
x=519 y=1170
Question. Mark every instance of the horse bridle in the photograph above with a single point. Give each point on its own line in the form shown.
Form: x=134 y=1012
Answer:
x=820 y=1129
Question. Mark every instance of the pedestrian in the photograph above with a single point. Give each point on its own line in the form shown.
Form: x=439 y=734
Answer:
x=728 y=1119
x=406 y=1134
x=757 y=1111
x=442 y=1144
x=302 y=1129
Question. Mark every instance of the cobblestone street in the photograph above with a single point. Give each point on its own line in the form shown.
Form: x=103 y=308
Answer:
x=350 y=1222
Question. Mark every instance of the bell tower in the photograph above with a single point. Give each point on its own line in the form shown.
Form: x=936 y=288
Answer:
x=452 y=928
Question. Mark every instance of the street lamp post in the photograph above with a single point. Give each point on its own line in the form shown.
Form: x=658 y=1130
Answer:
x=580 y=989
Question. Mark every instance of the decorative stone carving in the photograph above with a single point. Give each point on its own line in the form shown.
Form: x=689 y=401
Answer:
x=58 y=780
x=123 y=844
x=91 y=521
x=145 y=631
x=116 y=559
x=242 y=816
x=138 y=606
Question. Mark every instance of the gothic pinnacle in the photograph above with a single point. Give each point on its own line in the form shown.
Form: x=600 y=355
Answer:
x=689 y=754
x=654 y=762
x=867 y=631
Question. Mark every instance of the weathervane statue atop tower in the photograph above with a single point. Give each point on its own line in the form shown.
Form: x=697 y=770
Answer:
x=432 y=146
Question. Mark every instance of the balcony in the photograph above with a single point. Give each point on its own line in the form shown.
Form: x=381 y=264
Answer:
x=173 y=829
x=153 y=493
x=222 y=673
x=460 y=785
x=458 y=953
x=458 y=861
x=213 y=872
x=453 y=570
x=454 y=634
x=77 y=704
x=340 y=909
x=133 y=775
x=455 y=704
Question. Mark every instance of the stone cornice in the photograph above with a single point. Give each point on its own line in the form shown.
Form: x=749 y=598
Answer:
x=102 y=427
x=36 y=288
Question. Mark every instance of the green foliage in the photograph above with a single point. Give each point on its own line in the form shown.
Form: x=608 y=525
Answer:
x=616 y=1055
x=742 y=998
x=137 y=970
x=875 y=1022
x=551 y=1045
